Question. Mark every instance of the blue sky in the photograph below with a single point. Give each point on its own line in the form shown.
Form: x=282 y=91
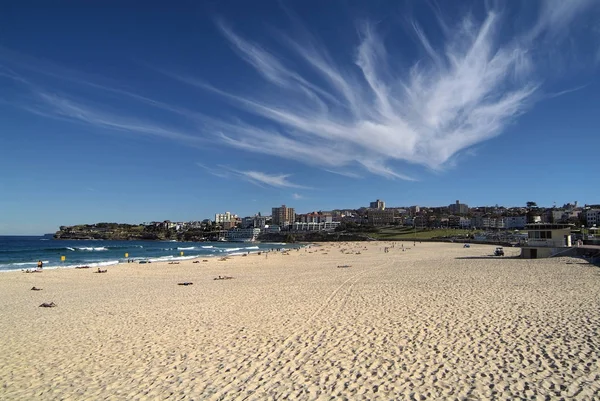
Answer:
x=110 y=111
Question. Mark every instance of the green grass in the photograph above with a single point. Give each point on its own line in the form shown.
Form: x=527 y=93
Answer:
x=408 y=233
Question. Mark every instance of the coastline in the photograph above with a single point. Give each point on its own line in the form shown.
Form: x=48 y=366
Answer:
x=333 y=320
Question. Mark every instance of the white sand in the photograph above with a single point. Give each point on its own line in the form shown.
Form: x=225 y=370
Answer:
x=437 y=321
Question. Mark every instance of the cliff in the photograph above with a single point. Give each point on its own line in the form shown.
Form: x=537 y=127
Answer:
x=112 y=231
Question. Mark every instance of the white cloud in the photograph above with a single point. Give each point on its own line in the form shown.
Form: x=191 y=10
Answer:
x=61 y=107
x=466 y=92
x=274 y=180
x=370 y=115
x=297 y=196
x=255 y=177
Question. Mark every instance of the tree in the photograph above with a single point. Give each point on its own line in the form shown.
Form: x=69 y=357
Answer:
x=531 y=205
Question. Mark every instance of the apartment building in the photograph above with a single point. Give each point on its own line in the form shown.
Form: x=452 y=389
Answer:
x=283 y=216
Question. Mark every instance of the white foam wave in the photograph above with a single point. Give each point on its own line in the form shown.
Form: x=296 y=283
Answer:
x=91 y=248
x=172 y=258
x=23 y=264
x=183 y=248
x=70 y=249
x=251 y=247
x=231 y=249
x=208 y=246
x=93 y=264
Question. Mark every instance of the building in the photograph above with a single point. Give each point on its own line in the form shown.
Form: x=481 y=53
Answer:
x=458 y=208
x=283 y=216
x=242 y=234
x=380 y=217
x=314 y=226
x=248 y=222
x=260 y=221
x=315 y=217
x=514 y=222
x=224 y=217
x=592 y=216
x=545 y=240
x=378 y=204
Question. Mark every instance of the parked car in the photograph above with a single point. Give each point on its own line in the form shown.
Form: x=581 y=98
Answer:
x=499 y=251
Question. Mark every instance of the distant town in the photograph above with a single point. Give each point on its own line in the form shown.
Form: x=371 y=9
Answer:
x=375 y=221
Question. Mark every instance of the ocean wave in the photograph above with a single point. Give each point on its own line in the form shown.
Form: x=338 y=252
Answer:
x=92 y=264
x=251 y=247
x=183 y=248
x=19 y=266
x=91 y=248
x=208 y=246
x=51 y=249
x=33 y=263
x=230 y=249
x=172 y=258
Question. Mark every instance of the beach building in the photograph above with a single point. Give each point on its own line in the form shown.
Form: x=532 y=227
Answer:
x=546 y=240
x=242 y=234
x=316 y=226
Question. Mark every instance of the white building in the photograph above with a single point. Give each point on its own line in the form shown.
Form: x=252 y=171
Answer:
x=224 y=217
x=545 y=240
x=313 y=226
x=242 y=234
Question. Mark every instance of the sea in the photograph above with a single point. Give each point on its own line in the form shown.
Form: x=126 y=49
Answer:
x=24 y=252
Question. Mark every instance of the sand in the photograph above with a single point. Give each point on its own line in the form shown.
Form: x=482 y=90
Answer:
x=435 y=321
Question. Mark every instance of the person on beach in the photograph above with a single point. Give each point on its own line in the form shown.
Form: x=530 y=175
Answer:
x=40 y=265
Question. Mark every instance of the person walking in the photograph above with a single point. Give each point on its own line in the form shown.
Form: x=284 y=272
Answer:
x=40 y=265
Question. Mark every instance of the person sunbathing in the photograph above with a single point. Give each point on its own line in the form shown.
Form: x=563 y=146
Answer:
x=48 y=305
x=101 y=271
x=185 y=283
x=223 y=278
x=35 y=289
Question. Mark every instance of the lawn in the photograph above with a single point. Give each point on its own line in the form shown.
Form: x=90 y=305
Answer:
x=408 y=233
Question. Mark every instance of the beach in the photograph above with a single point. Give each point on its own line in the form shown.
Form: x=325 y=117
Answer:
x=333 y=321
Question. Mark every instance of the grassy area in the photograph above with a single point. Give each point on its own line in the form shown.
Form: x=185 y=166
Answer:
x=408 y=233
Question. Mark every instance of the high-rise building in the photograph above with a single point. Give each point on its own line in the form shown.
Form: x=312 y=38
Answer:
x=378 y=204
x=283 y=216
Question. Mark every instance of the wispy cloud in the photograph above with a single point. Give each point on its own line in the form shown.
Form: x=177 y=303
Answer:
x=297 y=196
x=274 y=180
x=465 y=91
x=255 y=177
x=60 y=107
x=369 y=116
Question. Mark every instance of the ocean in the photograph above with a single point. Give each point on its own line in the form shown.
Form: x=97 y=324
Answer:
x=23 y=252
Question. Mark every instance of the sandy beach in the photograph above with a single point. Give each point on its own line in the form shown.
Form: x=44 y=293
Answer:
x=432 y=321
